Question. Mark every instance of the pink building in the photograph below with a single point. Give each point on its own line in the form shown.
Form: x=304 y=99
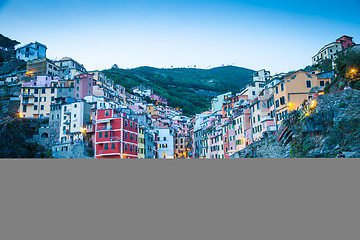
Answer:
x=345 y=41
x=42 y=81
x=159 y=99
x=83 y=85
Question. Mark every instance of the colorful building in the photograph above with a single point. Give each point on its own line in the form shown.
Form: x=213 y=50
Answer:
x=116 y=134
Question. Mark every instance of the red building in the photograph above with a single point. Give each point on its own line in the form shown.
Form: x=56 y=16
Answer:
x=345 y=41
x=116 y=135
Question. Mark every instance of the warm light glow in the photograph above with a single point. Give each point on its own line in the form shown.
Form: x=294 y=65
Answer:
x=19 y=115
x=353 y=70
x=313 y=104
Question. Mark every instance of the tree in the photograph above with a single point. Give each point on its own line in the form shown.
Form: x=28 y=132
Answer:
x=7 y=44
x=348 y=65
x=115 y=66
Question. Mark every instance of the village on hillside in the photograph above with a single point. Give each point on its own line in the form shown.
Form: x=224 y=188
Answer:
x=83 y=114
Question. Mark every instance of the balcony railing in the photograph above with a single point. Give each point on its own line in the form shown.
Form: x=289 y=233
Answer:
x=271 y=128
x=99 y=128
x=27 y=94
x=115 y=138
x=67 y=122
x=266 y=118
x=27 y=103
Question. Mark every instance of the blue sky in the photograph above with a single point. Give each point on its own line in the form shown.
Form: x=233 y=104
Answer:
x=279 y=36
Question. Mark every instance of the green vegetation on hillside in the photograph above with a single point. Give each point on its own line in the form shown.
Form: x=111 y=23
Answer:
x=190 y=89
x=347 y=67
x=7 y=47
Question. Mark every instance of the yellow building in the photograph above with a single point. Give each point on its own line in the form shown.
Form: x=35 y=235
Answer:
x=141 y=143
x=35 y=101
x=290 y=93
x=152 y=109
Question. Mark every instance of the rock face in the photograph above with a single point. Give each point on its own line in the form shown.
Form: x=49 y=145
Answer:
x=334 y=127
x=269 y=148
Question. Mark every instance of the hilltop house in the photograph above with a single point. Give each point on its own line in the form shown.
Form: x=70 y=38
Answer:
x=31 y=51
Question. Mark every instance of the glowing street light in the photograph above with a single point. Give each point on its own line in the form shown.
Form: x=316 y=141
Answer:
x=313 y=104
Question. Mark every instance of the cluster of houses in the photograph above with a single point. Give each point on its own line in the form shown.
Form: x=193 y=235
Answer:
x=257 y=111
x=90 y=115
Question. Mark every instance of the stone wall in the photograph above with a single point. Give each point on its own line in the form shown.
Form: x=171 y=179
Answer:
x=266 y=148
x=68 y=150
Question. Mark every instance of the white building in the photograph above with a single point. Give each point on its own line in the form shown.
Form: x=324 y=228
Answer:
x=261 y=75
x=259 y=79
x=101 y=102
x=142 y=91
x=69 y=68
x=165 y=142
x=75 y=117
x=327 y=52
x=31 y=51
x=217 y=102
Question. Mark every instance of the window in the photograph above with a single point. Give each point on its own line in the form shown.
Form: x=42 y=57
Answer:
x=125 y=135
x=107 y=113
x=308 y=83
x=77 y=81
x=112 y=145
x=106 y=134
x=75 y=105
x=52 y=99
x=74 y=125
x=105 y=146
x=35 y=107
x=277 y=90
x=53 y=90
x=131 y=125
x=100 y=134
x=257 y=106
x=131 y=148
x=322 y=83
x=131 y=136
x=77 y=95
x=44 y=99
x=126 y=147
x=36 y=91
x=42 y=107
x=164 y=138
x=36 y=99
x=277 y=103
x=253 y=93
x=43 y=90
x=282 y=87
x=77 y=88
x=258 y=117
x=282 y=100
x=126 y=123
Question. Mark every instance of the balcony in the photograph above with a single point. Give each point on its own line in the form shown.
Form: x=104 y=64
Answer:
x=100 y=128
x=266 y=118
x=27 y=103
x=271 y=128
x=27 y=94
x=108 y=152
x=68 y=112
x=114 y=139
x=67 y=122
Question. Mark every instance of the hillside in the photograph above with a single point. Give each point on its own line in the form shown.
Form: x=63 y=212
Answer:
x=188 y=88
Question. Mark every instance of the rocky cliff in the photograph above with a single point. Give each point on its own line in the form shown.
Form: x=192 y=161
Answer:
x=333 y=126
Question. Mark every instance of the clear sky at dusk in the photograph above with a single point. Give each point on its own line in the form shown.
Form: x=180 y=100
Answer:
x=276 y=35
